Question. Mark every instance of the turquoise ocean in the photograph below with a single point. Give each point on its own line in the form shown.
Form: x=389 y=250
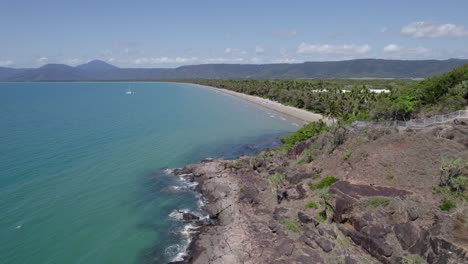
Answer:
x=84 y=167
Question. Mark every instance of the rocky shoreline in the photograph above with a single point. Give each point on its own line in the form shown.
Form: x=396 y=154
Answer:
x=256 y=216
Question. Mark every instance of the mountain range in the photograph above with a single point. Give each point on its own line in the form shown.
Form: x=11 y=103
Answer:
x=97 y=70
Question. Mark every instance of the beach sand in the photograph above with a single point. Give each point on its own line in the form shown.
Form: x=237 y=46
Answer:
x=299 y=114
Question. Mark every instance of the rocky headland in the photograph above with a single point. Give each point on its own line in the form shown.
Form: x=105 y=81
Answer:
x=353 y=195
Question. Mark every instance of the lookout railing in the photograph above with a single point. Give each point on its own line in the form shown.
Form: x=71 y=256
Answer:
x=415 y=123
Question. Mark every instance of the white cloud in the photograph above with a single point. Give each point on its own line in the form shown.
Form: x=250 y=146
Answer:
x=259 y=50
x=423 y=29
x=287 y=60
x=223 y=60
x=163 y=60
x=107 y=52
x=234 y=51
x=6 y=63
x=327 y=49
x=390 y=48
x=42 y=60
x=399 y=52
x=72 y=62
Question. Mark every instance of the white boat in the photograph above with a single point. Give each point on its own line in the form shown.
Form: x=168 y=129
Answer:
x=129 y=92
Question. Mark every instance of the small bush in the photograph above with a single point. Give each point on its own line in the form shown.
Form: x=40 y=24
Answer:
x=347 y=155
x=236 y=165
x=316 y=176
x=447 y=204
x=312 y=204
x=325 y=182
x=321 y=217
x=276 y=180
x=292 y=226
x=374 y=202
x=412 y=259
x=310 y=130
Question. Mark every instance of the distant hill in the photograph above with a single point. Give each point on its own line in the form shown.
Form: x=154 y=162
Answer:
x=96 y=66
x=97 y=70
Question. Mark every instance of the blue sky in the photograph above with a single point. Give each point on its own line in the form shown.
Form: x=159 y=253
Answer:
x=172 y=33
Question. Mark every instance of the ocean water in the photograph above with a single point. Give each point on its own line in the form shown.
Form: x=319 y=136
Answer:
x=83 y=174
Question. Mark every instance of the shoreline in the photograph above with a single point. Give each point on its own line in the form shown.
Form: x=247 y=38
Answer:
x=296 y=113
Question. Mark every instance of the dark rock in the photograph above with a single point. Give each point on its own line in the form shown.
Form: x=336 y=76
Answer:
x=406 y=234
x=281 y=195
x=307 y=219
x=297 y=178
x=249 y=194
x=188 y=216
x=324 y=244
x=331 y=233
x=301 y=192
x=376 y=247
x=350 y=260
x=308 y=241
x=422 y=245
x=357 y=191
x=279 y=213
x=376 y=230
x=412 y=214
x=342 y=206
x=447 y=252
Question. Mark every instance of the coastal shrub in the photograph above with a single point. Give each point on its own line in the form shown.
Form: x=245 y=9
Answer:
x=321 y=216
x=325 y=182
x=447 y=204
x=374 y=202
x=316 y=176
x=412 y=259
x=312 y=204
x=276 y=180
x=347 y=155
x=290 y=225
x=451 y=174
x=343 y=242
x=310 y=130
x=236 y=165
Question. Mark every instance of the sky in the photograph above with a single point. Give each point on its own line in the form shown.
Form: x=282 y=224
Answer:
x=166 y=34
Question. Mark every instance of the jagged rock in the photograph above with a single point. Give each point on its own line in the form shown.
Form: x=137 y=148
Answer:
x=249 y=194
x=342 y=206
x=350 y=260
x=301 y=192
x=279 y=213
x=324 y=244
x=281 y=195
x=406 y=234
x=446 y=252
x=422 y=244
x=412 y=214
x=356 y=191
x=297 y=178
x=376 y=247
x=308 y=241
x=307 y=219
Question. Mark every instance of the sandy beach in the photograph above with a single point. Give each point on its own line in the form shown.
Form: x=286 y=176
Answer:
x=300 y=114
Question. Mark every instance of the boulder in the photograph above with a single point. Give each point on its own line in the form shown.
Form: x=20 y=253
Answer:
x=406 y=234
x=279 y=213
x=303 y=218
